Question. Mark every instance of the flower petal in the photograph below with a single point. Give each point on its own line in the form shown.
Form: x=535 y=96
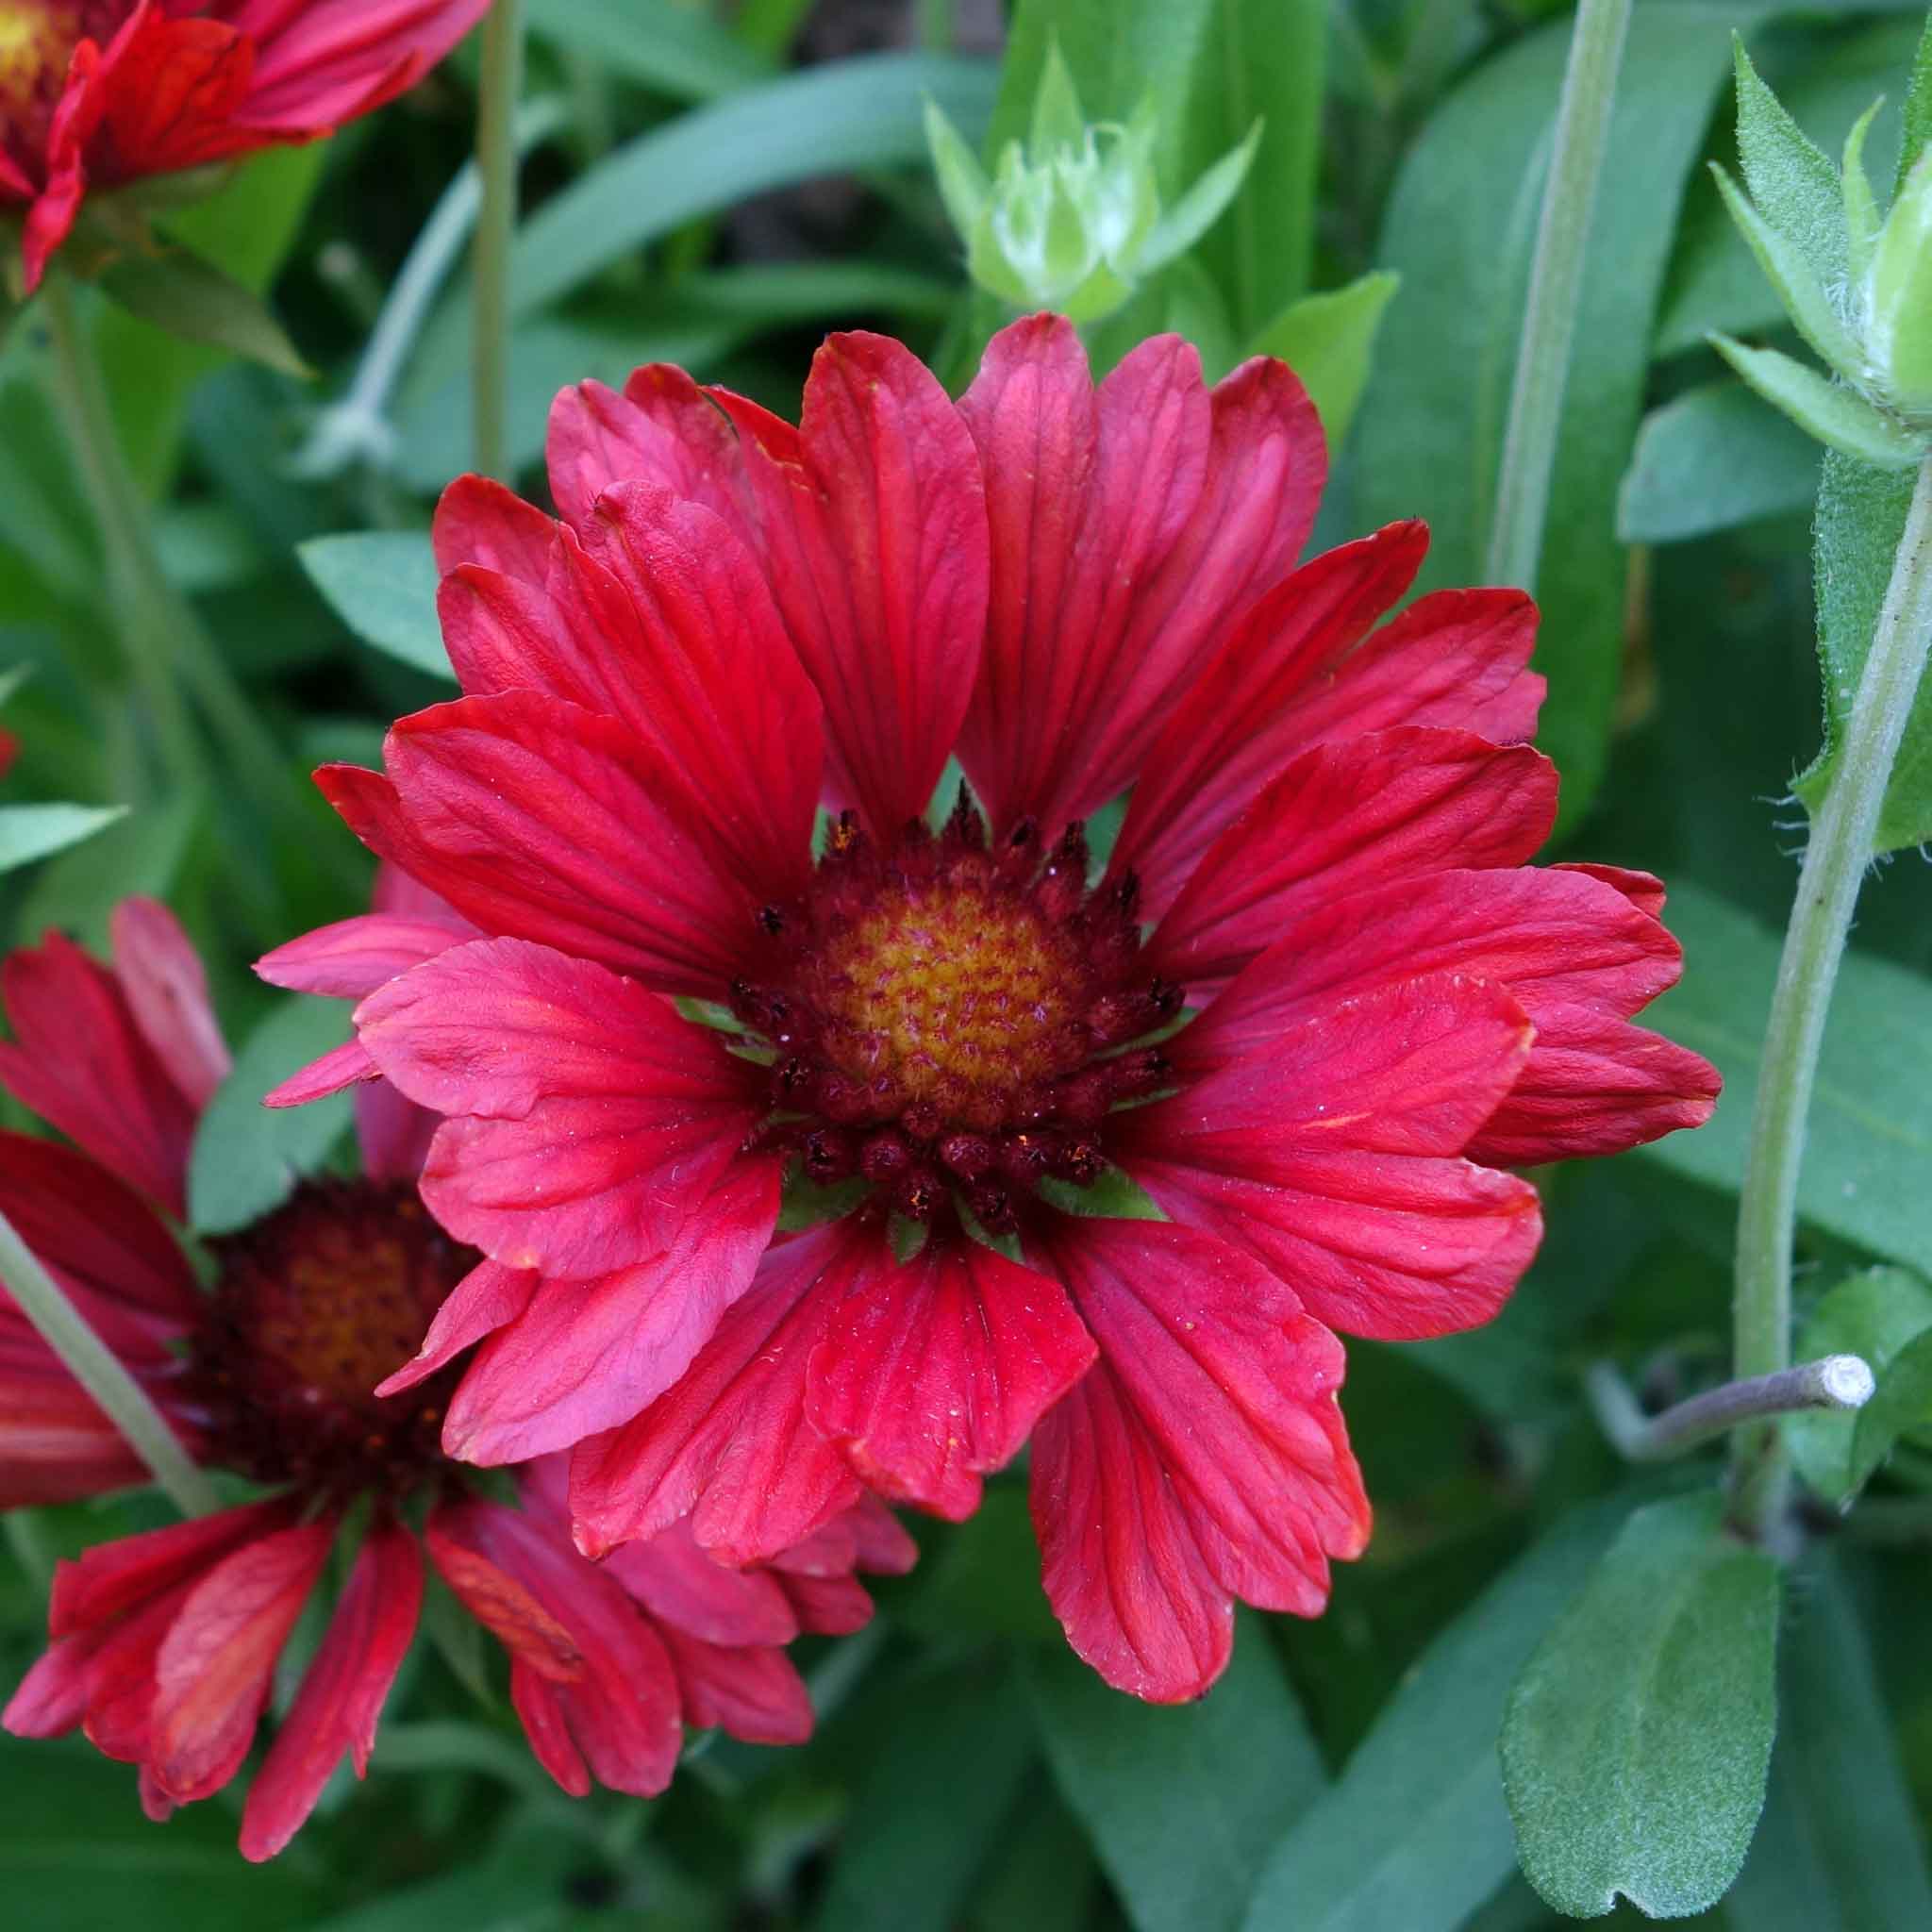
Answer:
x=342 y=1690
x=729 y=1444
x=754 y=1694
x=324 y=61
x=610 y=1118
x=166 y=989
x=1212 y=1465
x=685 y=1589
x=586 y=1356
x=1354 y=814
x=482 y=1302
x=932 y=1372
x=349 y=960
x=1128 y=524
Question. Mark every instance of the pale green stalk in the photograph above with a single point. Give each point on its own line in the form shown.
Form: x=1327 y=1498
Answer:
x=496 y=159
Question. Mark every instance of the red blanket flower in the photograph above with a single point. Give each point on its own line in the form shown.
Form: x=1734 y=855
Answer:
x=96 y=94
x=959 y=1034
x=165 y=1646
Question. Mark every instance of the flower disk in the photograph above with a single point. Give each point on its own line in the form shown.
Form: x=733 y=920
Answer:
x=313 y=1308
x=951 y=1016
x=37 y=39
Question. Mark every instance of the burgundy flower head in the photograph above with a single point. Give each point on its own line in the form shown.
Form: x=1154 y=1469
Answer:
x=1314 y=1002
x=165 y=1645
x=97 y=93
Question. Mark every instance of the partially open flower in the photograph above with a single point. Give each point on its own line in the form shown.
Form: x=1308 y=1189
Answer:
x=97 y=93
x=960 y=1042
x=165 y=1646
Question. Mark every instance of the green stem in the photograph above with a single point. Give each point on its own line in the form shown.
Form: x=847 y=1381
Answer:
x=496 y=158
x=1835 y=861
x=1555 y=287
x=99 y=1371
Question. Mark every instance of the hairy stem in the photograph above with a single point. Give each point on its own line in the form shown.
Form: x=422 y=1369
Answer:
x=496 y=160
x=1555 y=284
x=100 y=1372
x=1833 y=1381
x=1835 y=861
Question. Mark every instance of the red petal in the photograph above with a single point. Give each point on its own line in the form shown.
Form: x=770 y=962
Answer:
x=729 y=1444
x=394 y=1134
x=342 y=1690
x=933 y=1373
x=687 y=1590
x=480 y=520
x=1128 y=524
x=620 y=1706
x=169 y=90
x=1223 y=1469
x=1644 y=890
x=80 y=1061
x=1229 y=738
x=349 y=960
x=882 y=1545
x=1330 y=1156
x=473 y=1566
x=54 y=1445
x=827 y=1606
x=1354 y=814
x=610 y=1118
x=482 y=1302
x=754 y=1694
x=323 y=61
x=166 y=989
x=873 y=521
x=216 y=1665
x=539 y=819
x=341 y=1066
x=585 y=1355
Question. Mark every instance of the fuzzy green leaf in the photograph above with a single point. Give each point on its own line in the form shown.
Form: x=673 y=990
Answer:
x=1791 y=273
x=1874 y=1315
x=1710 y=459
x=246 y=1158
x=1637 y=1740
x=382 y=585
x=1791 y=179
x=1838 y=417
x=1329 y=341
x=28 y=832
x=1918 y=111
x=179 y=291
x=1861 y=216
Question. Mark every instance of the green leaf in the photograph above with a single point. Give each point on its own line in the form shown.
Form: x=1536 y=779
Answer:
x=1197 y=210
x=1870 y=1146
x=382 y=585
x=1901 y=1403
x=675 y=50
x=28 y=832
x=178 y=292
x=1791 y=179
x=1710 y=459
x=1874 y=1315
x=247 y=1158
x=1329 y=341
x=1637 y=1740
x=1459 y=231
x=1415 y=1834
x=1183 y=1804
x=1861 y=518
x=1836 y=416
x=140 y=853
x=1917 y=113
x=1799 y=292
x=1839 y=1848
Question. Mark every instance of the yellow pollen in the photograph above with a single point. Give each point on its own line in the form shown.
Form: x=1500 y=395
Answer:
x=959 y=984
x=37 y=39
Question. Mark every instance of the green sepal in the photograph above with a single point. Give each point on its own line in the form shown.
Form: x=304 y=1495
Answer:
x=1788 y=270
x=1898 y=300
x=1200 y=208
x=1791 y=179
x=1836 y=416
x=1862 y=221
x=963 y=186
x=1059 y=119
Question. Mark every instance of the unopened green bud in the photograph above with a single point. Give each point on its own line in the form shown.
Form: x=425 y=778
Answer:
x=1898 y=336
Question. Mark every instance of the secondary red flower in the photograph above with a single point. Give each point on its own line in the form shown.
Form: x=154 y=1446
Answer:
x=1074 y=590
x=96 y=94
x=165 y=1646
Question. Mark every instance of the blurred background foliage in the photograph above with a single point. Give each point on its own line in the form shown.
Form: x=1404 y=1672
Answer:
x=717 y=187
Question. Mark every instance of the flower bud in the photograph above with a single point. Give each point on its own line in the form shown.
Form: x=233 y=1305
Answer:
x=1898 y=302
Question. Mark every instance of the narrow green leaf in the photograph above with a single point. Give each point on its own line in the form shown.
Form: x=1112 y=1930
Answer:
x=1873 y=1314
x=1329 y=341
x=1637 y=1740
x=1415 y=1834
x=1790 y=273
x=28 y=832
x=1183 y=1804
x=675 y=50
x=1901 y=1403
x=1861 y=217
x=1459 y=228
x=1710 y=459
x=1870 y=1147
x=1836 y=416
x=1861 y=517
x=1840 y=1847
x=1792 y=178
x=140 y=853
x=247 y=1158
x=192 y=298
x=382 y=585
x=1197 y=210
